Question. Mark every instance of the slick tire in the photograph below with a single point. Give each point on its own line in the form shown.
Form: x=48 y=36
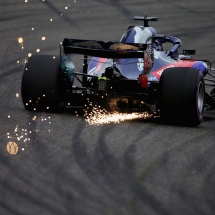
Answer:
x=40 y=88
x=182 y=96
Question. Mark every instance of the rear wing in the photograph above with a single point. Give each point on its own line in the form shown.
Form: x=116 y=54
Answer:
x=104 y=49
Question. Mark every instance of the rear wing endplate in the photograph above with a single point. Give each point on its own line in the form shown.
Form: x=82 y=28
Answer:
x=104 y=49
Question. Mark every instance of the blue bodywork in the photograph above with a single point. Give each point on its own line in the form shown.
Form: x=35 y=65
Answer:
x=131 y=68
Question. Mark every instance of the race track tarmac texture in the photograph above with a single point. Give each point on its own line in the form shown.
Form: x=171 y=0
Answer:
x=56 y=163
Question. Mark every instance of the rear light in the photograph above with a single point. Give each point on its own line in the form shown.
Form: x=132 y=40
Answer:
x=143 y=80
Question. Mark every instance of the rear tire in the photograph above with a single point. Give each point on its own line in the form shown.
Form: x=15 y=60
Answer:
x=40 y=87
x=182 y=96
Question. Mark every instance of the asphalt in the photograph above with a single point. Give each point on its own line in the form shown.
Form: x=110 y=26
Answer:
x=63 y=165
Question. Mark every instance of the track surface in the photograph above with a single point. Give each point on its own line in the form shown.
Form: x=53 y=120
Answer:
x=132 y=167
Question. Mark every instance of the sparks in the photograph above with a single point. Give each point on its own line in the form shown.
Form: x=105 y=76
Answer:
x=100 y=116
x=20 y=40
x=12 y=148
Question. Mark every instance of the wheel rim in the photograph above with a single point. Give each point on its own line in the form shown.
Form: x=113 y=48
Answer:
x=201 y=98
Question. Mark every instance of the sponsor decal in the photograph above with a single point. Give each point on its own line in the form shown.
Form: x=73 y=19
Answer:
x=140 y=64
x=152 y=79
x=159 y=72
x=150 y=49
x=156 y=54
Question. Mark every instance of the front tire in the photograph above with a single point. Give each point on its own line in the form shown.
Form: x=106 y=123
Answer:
x=182 y=96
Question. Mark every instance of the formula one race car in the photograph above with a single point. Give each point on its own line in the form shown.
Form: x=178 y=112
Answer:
x=135 y=74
